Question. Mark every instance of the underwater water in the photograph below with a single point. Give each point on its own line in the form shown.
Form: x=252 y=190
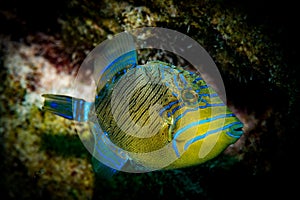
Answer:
x=254 y=48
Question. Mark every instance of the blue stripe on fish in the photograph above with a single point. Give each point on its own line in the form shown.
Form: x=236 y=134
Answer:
x=177 y=108
x=176 y=82
x=162 y=71
x=169 y=114
x=204 y=100
x=169 y=68
x=167 y=107
x=182 y=79
x=203 y=86
x=203 y=121
x=200 y=99
x=128 y=58
x=214 y=105
x=199 y=137
x=197 y=79
x=194 y=109
x=231 y=135
x=113 y=79
x=174 y=94
x=190 y=125
x=207 y=95
x=119 y=63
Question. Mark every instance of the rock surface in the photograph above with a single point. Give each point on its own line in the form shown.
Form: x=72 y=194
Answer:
x=41 y=51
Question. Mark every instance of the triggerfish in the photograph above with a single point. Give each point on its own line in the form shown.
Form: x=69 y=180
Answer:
x=150 y=117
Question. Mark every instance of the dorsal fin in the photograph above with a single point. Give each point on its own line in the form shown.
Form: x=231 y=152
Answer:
x=112 y=56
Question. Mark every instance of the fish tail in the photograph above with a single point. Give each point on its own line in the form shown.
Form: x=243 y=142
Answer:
x=58 y=104
x=67 y=107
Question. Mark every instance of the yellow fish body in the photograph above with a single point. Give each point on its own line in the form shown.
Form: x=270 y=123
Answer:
x=152 y=116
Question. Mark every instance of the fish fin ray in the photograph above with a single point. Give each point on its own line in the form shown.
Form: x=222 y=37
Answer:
x=58 y=104
x=102 y=170
x=107 y=158
x=113 y=56
x=68 y=107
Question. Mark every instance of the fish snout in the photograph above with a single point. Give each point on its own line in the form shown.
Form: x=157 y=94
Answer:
x=237 y=129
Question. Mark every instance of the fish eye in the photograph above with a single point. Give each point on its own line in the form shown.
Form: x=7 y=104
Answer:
x=189 y=96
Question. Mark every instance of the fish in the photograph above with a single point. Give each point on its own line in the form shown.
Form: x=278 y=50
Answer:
x=155 y=116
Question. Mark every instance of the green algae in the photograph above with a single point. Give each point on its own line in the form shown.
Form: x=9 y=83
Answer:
x=63 y=145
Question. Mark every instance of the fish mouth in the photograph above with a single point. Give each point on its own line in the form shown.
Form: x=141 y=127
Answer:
x=237 y=129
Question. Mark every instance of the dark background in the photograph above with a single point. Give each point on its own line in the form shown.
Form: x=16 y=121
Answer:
x=280 y=20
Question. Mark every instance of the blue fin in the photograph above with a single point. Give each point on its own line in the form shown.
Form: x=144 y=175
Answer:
x=67 y=107
x=107 y=157
x=102 y=170
x=112 y=56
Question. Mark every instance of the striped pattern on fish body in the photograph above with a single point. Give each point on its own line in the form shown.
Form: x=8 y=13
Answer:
x=144 y=90
x=183 y=110
x=148 y=117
